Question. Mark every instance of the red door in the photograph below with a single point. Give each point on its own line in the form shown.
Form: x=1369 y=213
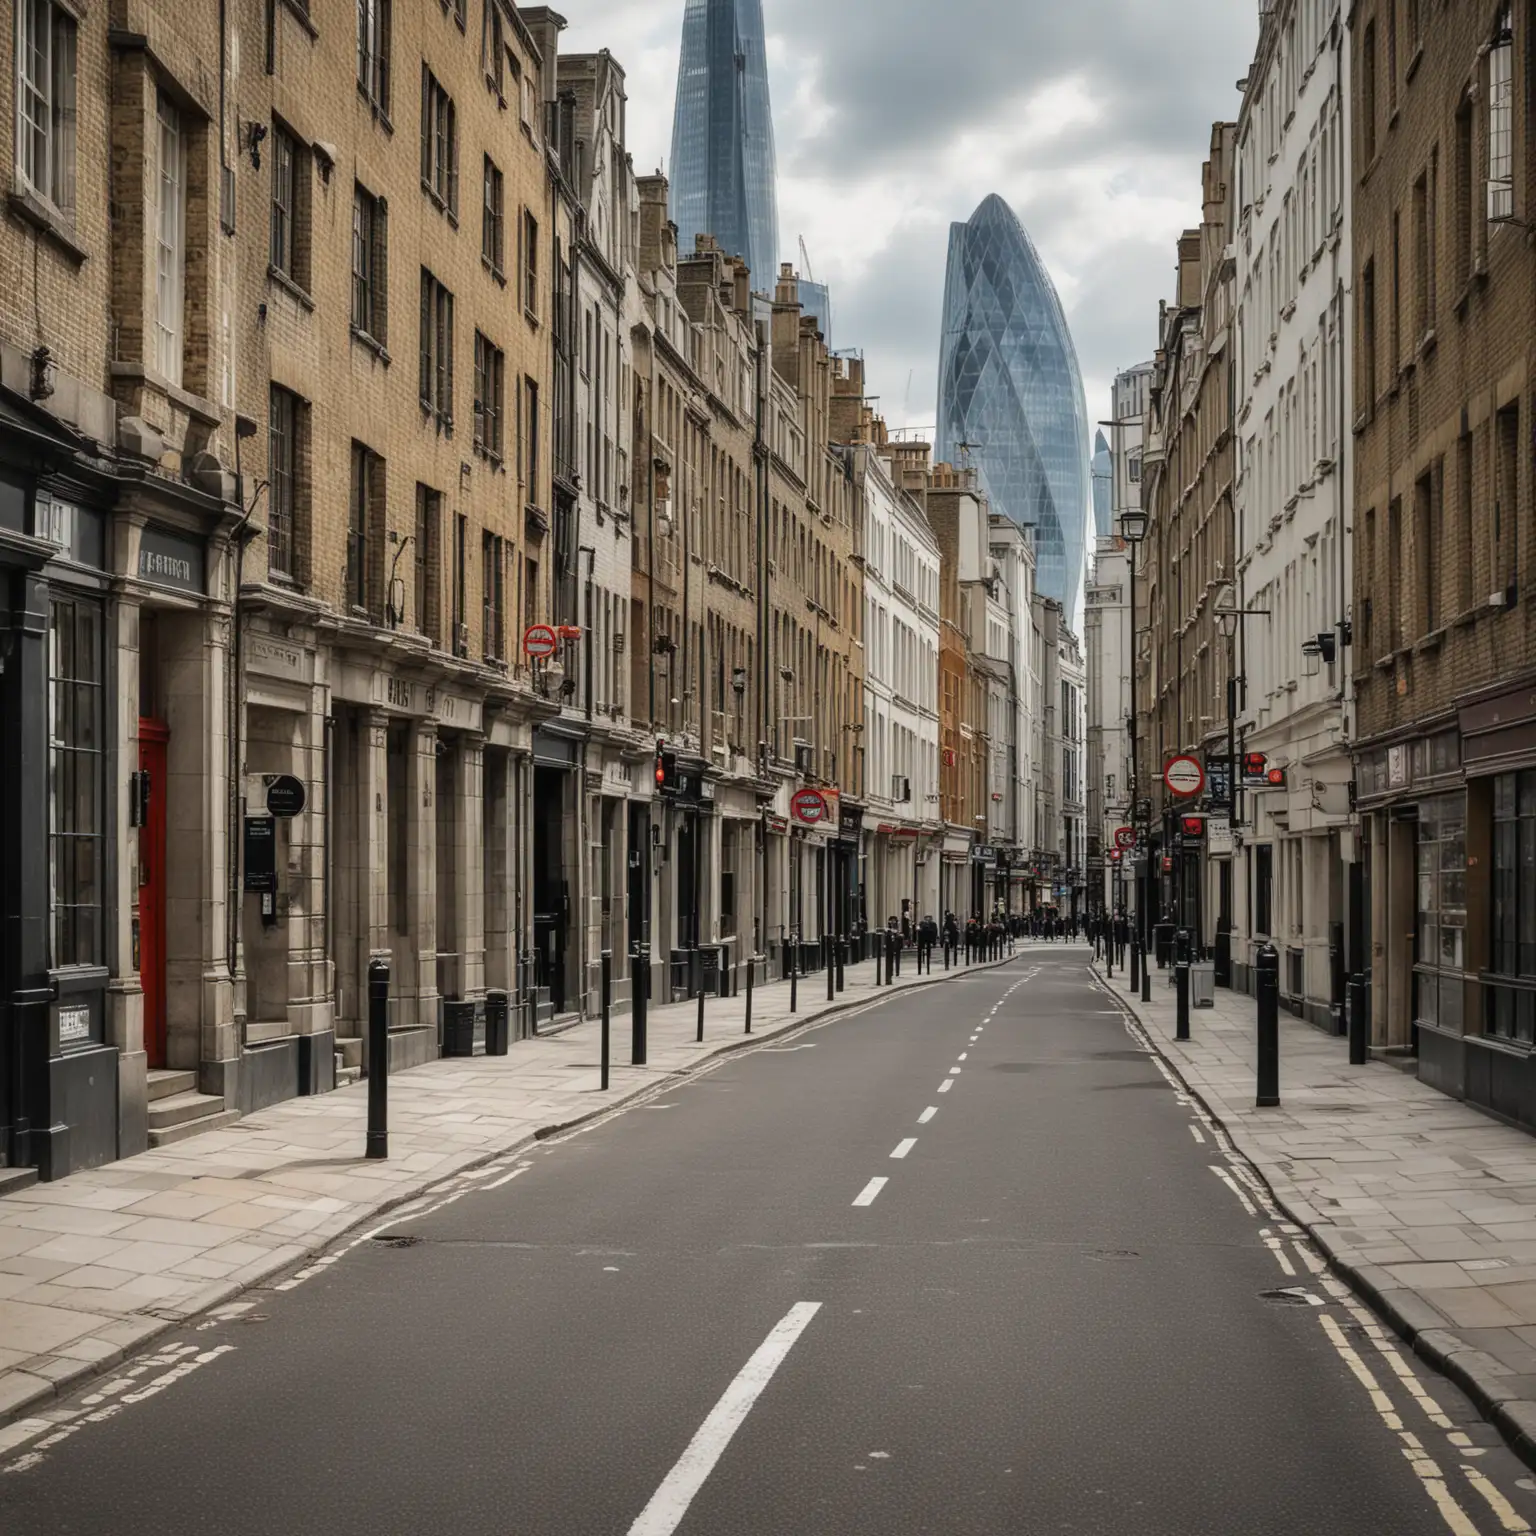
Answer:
x=153 y=735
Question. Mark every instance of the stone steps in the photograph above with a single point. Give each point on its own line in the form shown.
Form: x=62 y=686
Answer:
x=187 y=1113
x=187 y=1128
x=162 y=1084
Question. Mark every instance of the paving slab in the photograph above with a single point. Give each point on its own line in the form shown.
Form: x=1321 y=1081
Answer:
x=96 y=1264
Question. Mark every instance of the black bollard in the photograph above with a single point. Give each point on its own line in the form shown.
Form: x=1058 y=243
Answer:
x=831 y=959
x=640 y=957
x=378 y=1059
x=607 y=1001
x=699 y=1036
x=794 y=992
x=1181 y=987
x=842 y=957
x=1359 y=1024
x=751 y=967
x=1109 y=958
x=1267 y=969
x=1135 y=969
x=878 y=946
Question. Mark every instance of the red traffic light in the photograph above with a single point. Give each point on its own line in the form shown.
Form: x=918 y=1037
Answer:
x=1254 y=764
x=1192 y=826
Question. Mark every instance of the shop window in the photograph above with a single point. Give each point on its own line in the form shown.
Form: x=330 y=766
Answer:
x=75 y=779
x=1511 y=1009
x=1441 y=911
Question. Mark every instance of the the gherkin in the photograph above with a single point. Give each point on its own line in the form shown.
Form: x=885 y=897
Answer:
x=723 y=170
x=1011 y=401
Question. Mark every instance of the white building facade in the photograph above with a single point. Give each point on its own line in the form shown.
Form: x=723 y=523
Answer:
x=901 y=708
x=1288 y=877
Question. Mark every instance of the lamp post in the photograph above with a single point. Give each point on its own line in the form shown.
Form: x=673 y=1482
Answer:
x=1133 y=528
x=1230 y=614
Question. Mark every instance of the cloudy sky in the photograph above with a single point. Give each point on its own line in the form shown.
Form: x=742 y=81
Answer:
x=895 y=117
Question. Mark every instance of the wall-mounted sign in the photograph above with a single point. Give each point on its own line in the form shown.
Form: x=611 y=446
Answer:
x=539 y=641
x=175 y=560
x=1125 y=837
x=75 y=1025
x=285 y=794
x=260 y=850
x=809 y=807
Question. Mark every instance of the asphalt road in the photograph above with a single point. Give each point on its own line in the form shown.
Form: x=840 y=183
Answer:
x=1054 y=1316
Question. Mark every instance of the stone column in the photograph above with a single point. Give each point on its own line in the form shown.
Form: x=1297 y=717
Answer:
x=501 y=869
x=468 y=980
x=309 y=967
x=417 y=967
x=125 y=994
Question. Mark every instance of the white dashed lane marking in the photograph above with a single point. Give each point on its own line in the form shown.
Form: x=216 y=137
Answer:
x=928 y=1114
x=904 y=1146
x=866 y=1196
x=946 y=1085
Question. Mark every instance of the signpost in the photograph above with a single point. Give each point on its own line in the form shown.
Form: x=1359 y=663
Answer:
x=539 y=642
x=809 y=807
x=1184 y=776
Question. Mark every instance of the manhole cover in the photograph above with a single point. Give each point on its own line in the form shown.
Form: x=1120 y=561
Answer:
x=396 y=1240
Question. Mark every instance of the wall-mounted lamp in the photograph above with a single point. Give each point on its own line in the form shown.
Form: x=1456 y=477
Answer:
x=254 y=135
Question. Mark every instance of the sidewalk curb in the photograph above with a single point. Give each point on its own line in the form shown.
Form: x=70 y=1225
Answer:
x=16 y=1410
x=1413 y=1319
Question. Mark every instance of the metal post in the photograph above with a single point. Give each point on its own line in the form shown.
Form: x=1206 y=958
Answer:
x=1135 y=968
x=794 y=955
x=607 y=998
x=1359 y=1025
x=841 y=950
x=877 y=948
x=1181 y=986
x=826 y=949
x=1146 y=972
x=1267 y=968
x=699 y=1037
x=377 y=1144
x=641 y=957
x=1109 y=954
x=751 y=967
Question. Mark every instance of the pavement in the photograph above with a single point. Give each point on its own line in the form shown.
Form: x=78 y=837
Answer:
x=1425 y=1205
x=94 y=1266
x=961 y=1263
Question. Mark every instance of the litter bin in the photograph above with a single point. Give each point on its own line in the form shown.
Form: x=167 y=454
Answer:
x=458 y=1029
x=1163 y=941
x=709 y=969
x=1202 y=984
x=496 y=1030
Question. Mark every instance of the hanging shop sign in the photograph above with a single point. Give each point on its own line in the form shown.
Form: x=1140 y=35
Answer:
x=809 y=807
x=1184 y=776
x=539 y=641
x=1125 y=837
x=285 y=794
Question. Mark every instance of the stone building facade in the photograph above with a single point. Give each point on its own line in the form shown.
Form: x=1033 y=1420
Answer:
x=1188 y=552
x=1443 y=651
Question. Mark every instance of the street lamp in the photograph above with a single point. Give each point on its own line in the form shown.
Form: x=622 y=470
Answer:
x=1229 y=614
x=1133 y=527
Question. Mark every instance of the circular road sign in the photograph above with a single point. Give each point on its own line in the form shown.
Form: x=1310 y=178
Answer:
x=809 y=806
x=538 y=641
x=1184 y=776
x=1125 y=837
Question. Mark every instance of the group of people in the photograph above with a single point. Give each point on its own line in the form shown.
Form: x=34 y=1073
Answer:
x=991 y=937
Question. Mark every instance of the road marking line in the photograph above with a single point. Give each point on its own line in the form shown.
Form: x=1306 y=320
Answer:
x=866 y=1196
x=946 y=1085
x=904 y=1146
x=670 y=1502
x=954 y=1071
x=507 y=1178
x=1273 y=1244
x=1197 y=1133
x=1231 y=1183
x=962 y=1055
x=928 y=1114
x=1505 y=1512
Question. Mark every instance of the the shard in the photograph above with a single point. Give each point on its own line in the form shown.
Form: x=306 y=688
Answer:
x=1011 y=401
x=723 y=173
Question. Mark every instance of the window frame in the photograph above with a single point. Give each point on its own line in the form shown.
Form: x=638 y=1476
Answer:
x=435 y=370
x=439 y=144
x=493 y=220
x=169 y=329
x=374 y=39
x=51 y=133
x=282 y=481
x=66 y=749
x=490 y=398
x=369 y=244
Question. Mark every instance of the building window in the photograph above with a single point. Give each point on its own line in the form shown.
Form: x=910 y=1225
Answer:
x=45 y=101
x=493 y=224
x=282 y=477
x=1511 y=1011
x=1440 y=951
x=1501 y=122
x=1263 y=888
x=493 y=619
x=373 y=29
x=365 y=523
x=530 y=263
x=289 y=252
x=460 y=605
x=436 y=372
x=368 y=265
x=1368 y=95
x=439 y=144
x=531 y=440
x=429 y=524
x=170 y=236
x=490 y=409
x=496 y=52
x=75 y=774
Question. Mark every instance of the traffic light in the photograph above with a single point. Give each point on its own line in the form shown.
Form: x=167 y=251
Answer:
x=1255 y=765
x=1192 y=826
x=666 y=768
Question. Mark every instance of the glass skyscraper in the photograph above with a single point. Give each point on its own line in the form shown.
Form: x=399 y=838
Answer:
x=1103 y=487
x=723 y=173
x=1011 y=401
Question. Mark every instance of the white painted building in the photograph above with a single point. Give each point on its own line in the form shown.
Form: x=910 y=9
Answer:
x=1286 y=883
x=901 y=707
x=1016 y=712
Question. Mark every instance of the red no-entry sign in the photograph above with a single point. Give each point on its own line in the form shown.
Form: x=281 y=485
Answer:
x=1184 y=776
x=809 y=806
x=539 y=641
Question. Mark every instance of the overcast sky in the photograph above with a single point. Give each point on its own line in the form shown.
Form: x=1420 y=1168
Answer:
x=894 y=118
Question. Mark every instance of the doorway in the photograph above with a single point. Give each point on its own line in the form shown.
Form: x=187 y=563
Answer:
x=154 y=737
x=551 y=890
